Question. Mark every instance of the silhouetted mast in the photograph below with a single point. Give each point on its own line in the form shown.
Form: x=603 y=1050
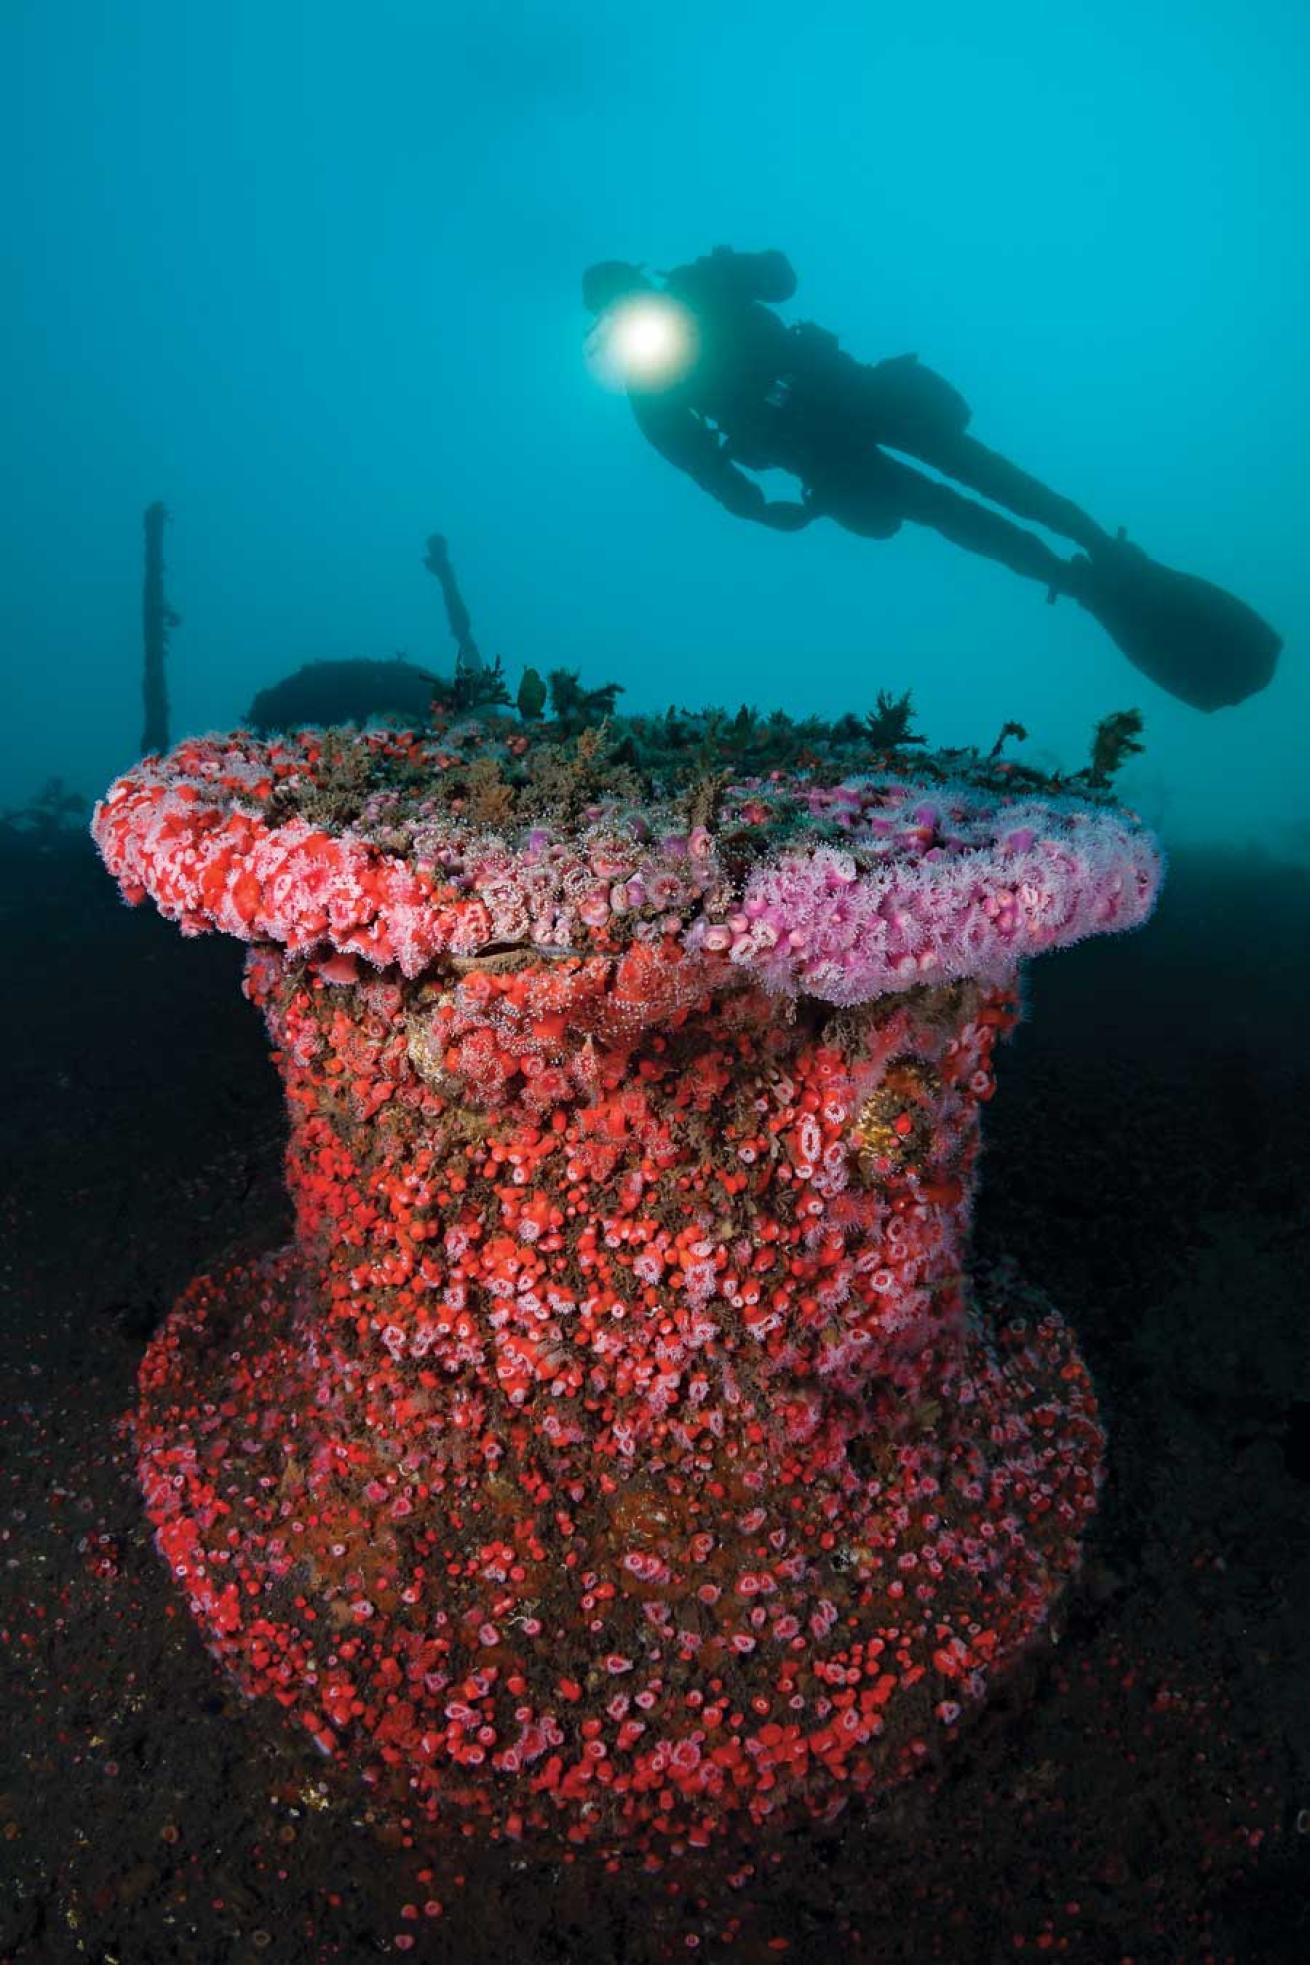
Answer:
x=468 y=661
x=157 y=618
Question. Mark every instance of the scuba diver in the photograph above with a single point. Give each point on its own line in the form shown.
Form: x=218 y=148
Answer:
x=721 y=387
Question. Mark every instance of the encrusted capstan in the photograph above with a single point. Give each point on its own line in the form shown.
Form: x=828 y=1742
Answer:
x=620 y=1454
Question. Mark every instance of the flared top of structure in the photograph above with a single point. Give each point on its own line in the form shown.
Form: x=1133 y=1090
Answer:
x=406 y=851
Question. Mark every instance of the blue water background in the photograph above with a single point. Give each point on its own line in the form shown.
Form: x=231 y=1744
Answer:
x=309 y=273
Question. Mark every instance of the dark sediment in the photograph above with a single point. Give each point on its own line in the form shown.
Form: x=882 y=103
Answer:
x=1131 y=1793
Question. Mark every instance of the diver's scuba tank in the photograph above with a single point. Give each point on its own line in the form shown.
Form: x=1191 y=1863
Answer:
x=921 y=402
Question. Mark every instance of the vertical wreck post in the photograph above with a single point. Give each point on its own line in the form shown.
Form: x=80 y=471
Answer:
x=468 y=660
x=157 y=618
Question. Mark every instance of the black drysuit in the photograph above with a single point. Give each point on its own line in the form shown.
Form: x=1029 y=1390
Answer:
x=760 y=394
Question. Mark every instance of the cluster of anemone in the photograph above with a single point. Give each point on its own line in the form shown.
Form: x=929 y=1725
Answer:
x=619 y=1453
x=840 y=892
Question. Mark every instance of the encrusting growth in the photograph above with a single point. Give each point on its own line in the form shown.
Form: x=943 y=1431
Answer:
x=619 y=1452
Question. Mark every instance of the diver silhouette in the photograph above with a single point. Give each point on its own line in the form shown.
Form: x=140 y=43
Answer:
x=740 y=390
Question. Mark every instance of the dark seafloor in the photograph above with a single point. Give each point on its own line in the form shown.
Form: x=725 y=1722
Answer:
x=1139 y=1791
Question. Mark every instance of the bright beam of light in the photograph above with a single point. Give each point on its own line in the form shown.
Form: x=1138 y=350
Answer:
x=645 y=343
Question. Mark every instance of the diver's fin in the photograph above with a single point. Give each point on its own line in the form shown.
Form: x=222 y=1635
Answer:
x=1200 y=643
